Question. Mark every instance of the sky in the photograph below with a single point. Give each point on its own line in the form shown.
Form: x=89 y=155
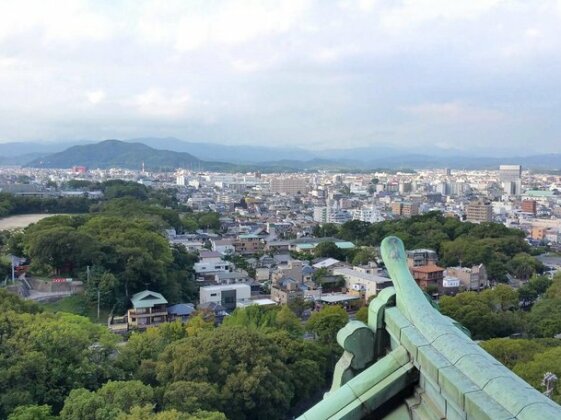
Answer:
x=418 y=74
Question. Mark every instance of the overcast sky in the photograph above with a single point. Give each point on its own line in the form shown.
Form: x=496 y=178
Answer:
x=447 y=73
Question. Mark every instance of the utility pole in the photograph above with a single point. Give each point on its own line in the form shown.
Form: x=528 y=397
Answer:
x=98 y=292
x=13 y=270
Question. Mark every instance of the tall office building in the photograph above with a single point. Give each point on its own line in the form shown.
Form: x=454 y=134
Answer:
x=511 y=179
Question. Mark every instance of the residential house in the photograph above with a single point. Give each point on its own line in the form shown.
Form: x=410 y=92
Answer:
x=248 y=244
x=223 y=246
x=287 y=289
x=428 y=275
x=362 y=283
x=148 y=309
x=180 y=312
x=474 y=278
x=420 y=257
x=226 y=295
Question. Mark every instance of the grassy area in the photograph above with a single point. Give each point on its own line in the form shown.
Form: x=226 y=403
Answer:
x=77 y=304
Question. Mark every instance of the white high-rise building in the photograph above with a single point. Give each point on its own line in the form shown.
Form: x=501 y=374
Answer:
x=511 y=179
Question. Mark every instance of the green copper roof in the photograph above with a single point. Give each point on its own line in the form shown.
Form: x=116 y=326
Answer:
x=411 y=362
x=147 y=299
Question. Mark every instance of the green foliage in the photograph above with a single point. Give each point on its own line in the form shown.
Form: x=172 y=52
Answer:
x=266 y=319
x=456 y=242
x=15 y=204
x=286 y=320
x=487 y=314
x=530 y=359
x=43 y=356
x=123 y=395
x=190 y=397
x=523 y=266
x=362 y=314
x=512 y=351
x=328 y=249
x=10 y=302
x=545 y=318
x=146 y=413
x=202 y=220
x=198 y=324
x=535 y=288
x=243 y=363
x=108 y=402
x=32 y=412
x=325 y=230
x=533 y=371
x=364 y=255
x=327 y=322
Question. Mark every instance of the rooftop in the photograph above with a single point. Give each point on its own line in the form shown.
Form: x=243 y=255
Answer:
x=147 y=299
x=361 y=275
x=336 y=298
x=432 y=268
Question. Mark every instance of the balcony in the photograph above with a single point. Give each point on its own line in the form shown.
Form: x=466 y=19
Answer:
x=159 y=310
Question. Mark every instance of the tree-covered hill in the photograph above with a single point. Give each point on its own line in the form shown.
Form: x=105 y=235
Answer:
x=119 y=154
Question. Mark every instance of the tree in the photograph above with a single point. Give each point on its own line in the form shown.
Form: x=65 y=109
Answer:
x=61 y=248
x=545 y=318
x=307 y=362
x=364 y=256
x=523 y=266
x=146 y=413
x=122 y=395
x=327 y=322
x=487 y=314
x=325 y=230
x=328 y=249
x=250 y=376
x=82 y=404
x=534 y=370
x=191 y=397
x=512 y=351
x=32 y=412
x=254 y=316
x=198 y=324
x=108 y=402
x=286 y=320
x=298 y=305
x=362 y=314
x=44 y=356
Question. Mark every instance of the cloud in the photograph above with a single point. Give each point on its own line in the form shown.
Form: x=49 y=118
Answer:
x=189 y=26
x=156 y=102
x=95 y=96
x=73 y=21
x=285 y=72
x=455 y=112
x=413 y=12
x=336 y=53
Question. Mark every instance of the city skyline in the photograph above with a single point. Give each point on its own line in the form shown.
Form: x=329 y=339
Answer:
x=450 y=75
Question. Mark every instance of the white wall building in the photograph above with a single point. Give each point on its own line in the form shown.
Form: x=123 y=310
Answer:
x=226 y=295
x=360 y=281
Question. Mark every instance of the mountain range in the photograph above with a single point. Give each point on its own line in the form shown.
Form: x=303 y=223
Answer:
x=170 y=153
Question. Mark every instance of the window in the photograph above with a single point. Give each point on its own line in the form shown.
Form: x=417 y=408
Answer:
x=213 y=294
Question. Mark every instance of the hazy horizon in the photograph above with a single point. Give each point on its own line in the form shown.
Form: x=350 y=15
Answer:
x=462 y=75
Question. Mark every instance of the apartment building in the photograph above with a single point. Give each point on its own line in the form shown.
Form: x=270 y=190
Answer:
x=405 y=208
x=479 y=211
x=289 y=185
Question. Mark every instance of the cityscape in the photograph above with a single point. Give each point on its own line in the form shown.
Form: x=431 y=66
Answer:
x=280 y=210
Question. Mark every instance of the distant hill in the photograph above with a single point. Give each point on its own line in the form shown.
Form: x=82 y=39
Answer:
x=170 y=153
x=119 y=154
